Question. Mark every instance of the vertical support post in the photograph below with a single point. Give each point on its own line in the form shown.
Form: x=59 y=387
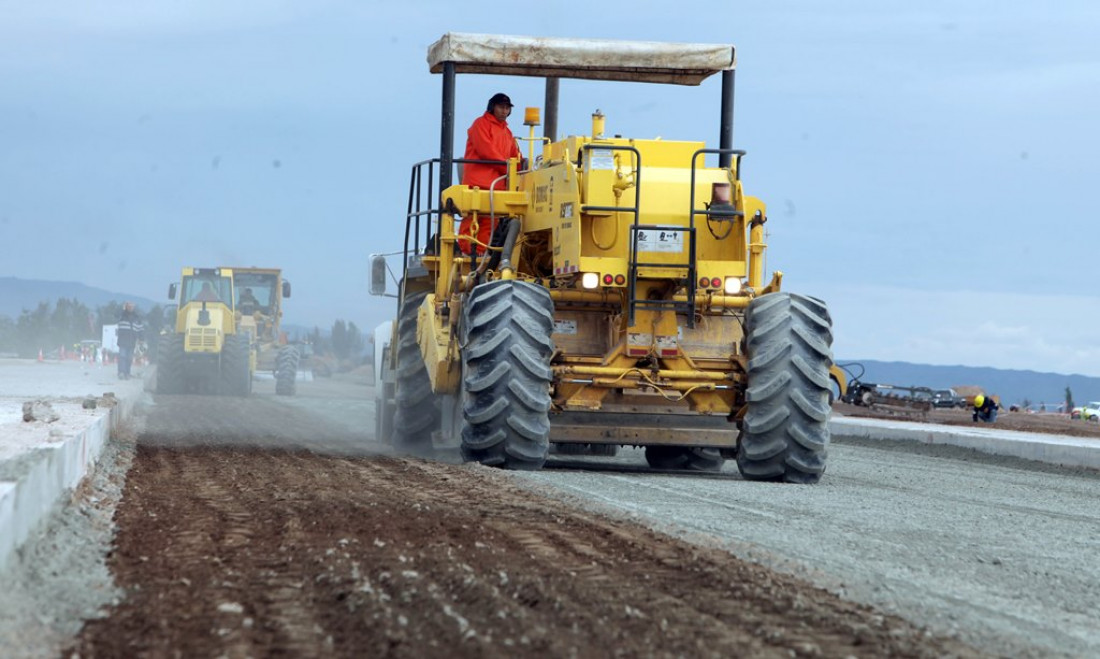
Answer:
x=725 y=131
x=447 y=131
x=550 y=123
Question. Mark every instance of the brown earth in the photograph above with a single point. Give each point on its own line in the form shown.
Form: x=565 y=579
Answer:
x=231 y=542
x=1049 y=423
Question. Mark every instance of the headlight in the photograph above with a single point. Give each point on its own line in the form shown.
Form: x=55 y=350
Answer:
x=733 y=285
x=590 y=280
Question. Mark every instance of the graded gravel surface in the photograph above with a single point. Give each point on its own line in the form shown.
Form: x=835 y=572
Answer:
x=275 y=526
x=998 y=552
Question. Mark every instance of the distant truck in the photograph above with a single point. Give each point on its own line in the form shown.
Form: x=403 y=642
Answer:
x=947 y=398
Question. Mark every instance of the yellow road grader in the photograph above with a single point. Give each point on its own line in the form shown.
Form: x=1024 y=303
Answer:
x=206 y=350
x=259 y=312
x=622 y=300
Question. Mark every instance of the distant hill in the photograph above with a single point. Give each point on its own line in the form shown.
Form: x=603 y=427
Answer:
x=1012 y=386
x=18 y=294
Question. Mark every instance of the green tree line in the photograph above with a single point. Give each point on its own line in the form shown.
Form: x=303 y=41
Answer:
x=50 y=326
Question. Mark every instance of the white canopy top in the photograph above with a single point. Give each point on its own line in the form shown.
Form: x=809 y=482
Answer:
x=593 y=59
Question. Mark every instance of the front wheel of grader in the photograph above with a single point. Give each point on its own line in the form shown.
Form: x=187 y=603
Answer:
x=286 y=371
x=788 y=342
x=506 y=375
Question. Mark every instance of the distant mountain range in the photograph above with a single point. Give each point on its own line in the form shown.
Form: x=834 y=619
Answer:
x=1012 y=386
x=17 y=295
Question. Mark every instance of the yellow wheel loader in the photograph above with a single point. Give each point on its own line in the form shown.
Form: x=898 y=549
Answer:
x=622 y=300
x=205 y=351
x=259 y=313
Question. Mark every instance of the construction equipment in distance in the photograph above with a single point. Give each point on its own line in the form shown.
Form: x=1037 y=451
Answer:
x=621 y=302
x=891 y=398
x=259 y=312
x=205 y=351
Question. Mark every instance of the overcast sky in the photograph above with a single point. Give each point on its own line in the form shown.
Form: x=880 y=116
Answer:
x=929 y=167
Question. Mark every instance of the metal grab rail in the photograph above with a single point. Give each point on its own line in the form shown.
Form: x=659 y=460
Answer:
x=424 y=210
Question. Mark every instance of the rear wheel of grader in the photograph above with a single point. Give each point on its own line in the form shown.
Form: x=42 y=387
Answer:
x=170 y=364
x=416 y=411
x=506 y=375
x=788 y=340
x=684 y=457
x=286 y=371
x=236 y=379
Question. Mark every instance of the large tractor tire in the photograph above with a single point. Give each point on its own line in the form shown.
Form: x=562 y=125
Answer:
x=788 y=341
x=506 y=375
x=170 y=377
x=236 y=376
x=286 y=371
x=416 y=409
x=691 y=458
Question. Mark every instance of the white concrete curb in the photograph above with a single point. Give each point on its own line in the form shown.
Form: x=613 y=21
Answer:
x=1053 y=449
x=50 y=473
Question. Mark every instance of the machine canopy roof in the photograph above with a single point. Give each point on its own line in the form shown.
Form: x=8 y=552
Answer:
x=592 y=59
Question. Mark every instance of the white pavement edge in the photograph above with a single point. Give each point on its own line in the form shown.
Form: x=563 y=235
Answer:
x=1053 y=449
x=52 y=472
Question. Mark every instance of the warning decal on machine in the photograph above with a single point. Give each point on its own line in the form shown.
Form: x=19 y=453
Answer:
x=657 y=240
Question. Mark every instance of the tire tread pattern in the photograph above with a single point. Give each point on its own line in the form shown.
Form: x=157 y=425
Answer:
x=506 y=375
x=788 y=340
x=170 y=364
x=416 y=409
x=286 y=371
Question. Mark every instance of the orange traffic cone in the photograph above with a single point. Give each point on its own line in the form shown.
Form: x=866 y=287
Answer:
x=40 y=357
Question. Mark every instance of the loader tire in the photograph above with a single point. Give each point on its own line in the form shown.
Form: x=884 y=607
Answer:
x=416 y=411
x=286 y=371
x=786 y=428
x=236 y=375
x=691 y=458
x=506 y=375
x=170 y=364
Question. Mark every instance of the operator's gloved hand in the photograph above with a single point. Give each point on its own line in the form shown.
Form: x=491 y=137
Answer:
x=975 y=417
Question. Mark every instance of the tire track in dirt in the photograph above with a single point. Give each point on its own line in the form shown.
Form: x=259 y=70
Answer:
x=235 y=552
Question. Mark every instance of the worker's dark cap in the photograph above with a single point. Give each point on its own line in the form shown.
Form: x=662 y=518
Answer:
x=499 y=99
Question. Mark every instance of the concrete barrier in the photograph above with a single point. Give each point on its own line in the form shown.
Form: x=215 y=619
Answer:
x=42 y=464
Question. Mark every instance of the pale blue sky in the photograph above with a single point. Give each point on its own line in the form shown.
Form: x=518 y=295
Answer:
x=915 y=158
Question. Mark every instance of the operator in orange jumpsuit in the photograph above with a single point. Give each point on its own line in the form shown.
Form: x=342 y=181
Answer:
x=488 y=138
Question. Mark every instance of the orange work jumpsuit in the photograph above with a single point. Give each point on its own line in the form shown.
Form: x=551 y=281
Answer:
x=487 y=139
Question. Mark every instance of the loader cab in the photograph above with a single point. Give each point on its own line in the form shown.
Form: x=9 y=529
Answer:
x=207 y=287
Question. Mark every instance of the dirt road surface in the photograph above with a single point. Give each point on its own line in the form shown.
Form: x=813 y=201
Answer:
x=263 y=527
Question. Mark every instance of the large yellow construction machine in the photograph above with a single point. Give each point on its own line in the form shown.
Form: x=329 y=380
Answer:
x=622 y=300
x=259 y=313
x=205 y=351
